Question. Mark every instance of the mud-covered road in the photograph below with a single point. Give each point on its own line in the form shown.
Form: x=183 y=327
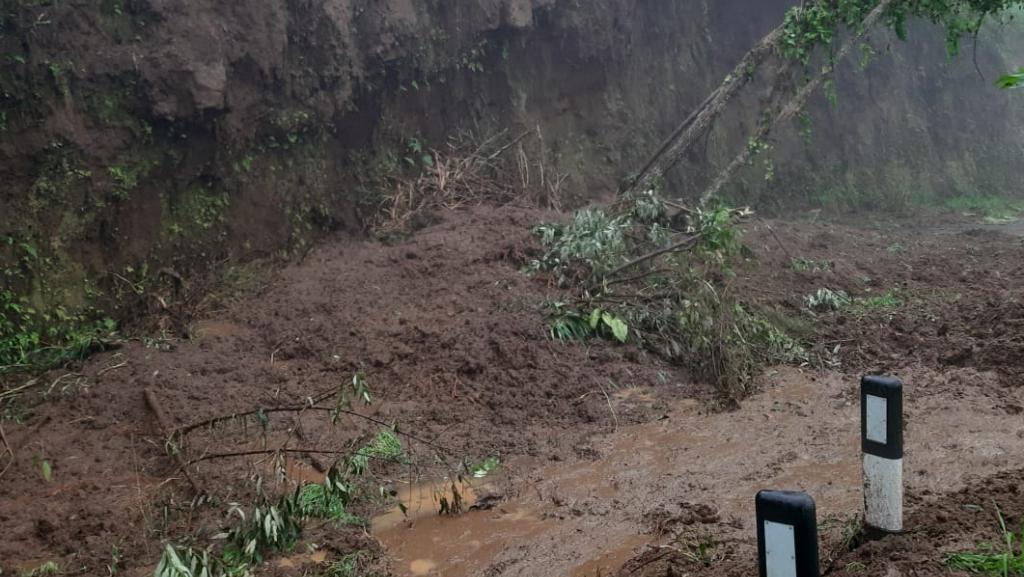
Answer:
x=612 y=461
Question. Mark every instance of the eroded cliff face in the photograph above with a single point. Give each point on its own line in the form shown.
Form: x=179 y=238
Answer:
x=139 y=134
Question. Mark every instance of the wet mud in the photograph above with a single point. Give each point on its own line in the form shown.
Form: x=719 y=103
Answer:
x=612 y=462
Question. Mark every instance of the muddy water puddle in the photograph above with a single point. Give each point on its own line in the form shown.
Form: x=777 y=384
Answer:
x=695 y=472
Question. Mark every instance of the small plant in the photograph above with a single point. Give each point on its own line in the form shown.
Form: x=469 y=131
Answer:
x=187 y=562
x=321 y=502
x=826 y=300
x=48 y=568
x=116 y=561
x=567 y=324
x=270 y=527
x=125 y=178
x=45 y=469
x=1013 y=80
x=1008 y=561
x=347 y=566
x=386 y=446
x=485 y=468
x=889 y=300
x=700 y=549
x=801 y=264
x=993 y=209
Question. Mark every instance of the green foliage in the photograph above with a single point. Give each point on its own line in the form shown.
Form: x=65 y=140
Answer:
x=321 y=502
x=1005 y=561
x=386 y=446
x=568 y=324
x=200 y=210
x=826 y=299
x=994 y=209
x=48 y=568
x=125 y=180
x=592 y=244
x=723 y=341
x=1013 y=80
x=888 y=300
x=59 y=73
x=604 y=320
x=801 y=264
x=187 y=562
x=816 y=24
x=671 y=307
x=347 y=566
x=270 y=527
x=484 y=468
x=39 y=340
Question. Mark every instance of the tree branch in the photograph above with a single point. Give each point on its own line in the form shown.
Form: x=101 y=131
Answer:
x=690 y=241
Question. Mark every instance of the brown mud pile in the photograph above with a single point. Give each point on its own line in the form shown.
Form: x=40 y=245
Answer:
x=452 y=339
x=448 y=331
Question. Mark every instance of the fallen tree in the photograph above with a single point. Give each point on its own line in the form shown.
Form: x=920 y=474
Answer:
x=817 y=34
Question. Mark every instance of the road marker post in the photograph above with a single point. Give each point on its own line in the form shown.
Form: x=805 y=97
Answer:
x=881 y=412
x=787 y=534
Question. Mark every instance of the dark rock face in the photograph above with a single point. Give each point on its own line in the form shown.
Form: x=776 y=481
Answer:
x=183 y=131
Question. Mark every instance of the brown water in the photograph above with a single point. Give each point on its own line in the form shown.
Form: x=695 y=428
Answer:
x=587 y=518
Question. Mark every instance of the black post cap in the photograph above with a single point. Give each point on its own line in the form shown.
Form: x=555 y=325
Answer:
x=795 y=512
x=889 y=390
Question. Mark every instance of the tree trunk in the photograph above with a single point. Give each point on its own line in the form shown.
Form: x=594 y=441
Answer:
x=796 y=104
x=698 y=123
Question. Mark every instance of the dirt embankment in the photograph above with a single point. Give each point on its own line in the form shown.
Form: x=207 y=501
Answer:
x=171 y=133
x=452 y=339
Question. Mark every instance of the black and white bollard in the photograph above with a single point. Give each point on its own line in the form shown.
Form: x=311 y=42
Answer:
x=787 y=534
x=881 y=416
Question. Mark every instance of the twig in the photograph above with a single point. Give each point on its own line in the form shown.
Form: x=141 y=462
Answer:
x=165 y=429
x=514 y=142
x=252 y=453
x=638 y=277
x=184 y=430
x=17 y=390
x=778 y=240
x=690 y=241
x=611 y=408
x=112 y=368
x=8 y=449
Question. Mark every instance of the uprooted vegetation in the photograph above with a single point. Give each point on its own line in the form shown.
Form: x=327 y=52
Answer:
x=660 y=275
x=283 y=505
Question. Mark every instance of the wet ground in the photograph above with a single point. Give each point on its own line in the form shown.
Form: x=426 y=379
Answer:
x=612 y=461
x=701 y=471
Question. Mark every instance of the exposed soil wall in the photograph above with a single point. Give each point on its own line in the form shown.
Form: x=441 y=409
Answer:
x=140 y=134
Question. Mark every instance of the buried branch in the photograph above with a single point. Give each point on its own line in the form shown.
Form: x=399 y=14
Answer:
x=186 y=429
x=165 y=428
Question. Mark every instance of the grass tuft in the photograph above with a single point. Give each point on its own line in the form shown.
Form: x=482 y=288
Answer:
x=1004 y=561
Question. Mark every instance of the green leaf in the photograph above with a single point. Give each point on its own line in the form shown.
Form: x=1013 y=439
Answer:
x=1011 y=80
x=486 y=468
x=595 y=319
x=47 y=470
x=619 y=328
